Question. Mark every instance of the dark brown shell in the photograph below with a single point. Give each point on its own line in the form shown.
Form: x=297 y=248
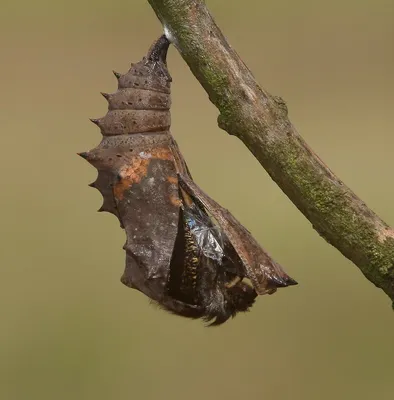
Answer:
x=136 y=171
x=146 y=184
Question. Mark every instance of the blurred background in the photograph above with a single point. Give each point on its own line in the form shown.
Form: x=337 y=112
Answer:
x=69 y=328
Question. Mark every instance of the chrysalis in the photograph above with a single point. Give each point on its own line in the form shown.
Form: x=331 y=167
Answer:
x=183 y=250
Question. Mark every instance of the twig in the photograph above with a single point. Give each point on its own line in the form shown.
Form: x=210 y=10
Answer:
x=260 y=120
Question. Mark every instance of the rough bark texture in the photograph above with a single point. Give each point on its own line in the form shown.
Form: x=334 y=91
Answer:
x=260 y=120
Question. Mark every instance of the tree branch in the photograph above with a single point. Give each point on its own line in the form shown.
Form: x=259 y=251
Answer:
x=260 y=120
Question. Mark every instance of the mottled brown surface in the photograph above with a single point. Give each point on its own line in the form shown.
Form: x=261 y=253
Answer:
x=134 y=165
x=138 y=99
x=136 y=168
x=139 y=166
x=124 y=122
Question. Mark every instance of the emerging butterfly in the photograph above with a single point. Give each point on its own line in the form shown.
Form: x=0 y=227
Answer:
x=183 y=250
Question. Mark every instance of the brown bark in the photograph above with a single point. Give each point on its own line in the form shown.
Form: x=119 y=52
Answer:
x=261 y=121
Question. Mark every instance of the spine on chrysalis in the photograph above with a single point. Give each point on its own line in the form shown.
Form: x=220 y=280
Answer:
x=142 y=102
x=138 y=117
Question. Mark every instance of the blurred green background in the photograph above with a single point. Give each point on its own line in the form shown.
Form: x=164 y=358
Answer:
x=69 y=328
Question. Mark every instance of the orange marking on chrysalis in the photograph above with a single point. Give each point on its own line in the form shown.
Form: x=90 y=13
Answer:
x=175 y=200
x=173 y=180
x=130 y=174
x=137 y=169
